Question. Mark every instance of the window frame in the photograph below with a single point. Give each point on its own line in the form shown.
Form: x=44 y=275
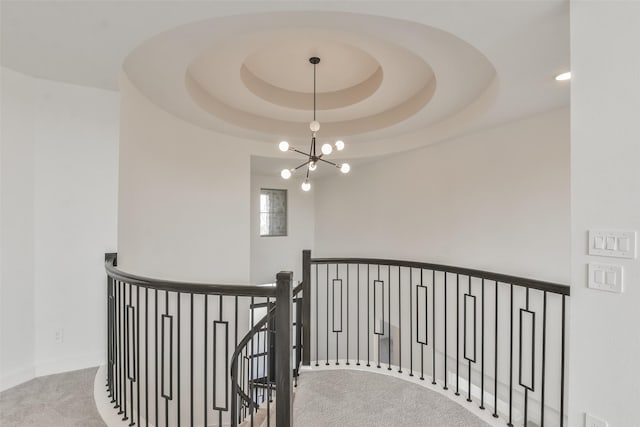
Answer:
x=285 y=213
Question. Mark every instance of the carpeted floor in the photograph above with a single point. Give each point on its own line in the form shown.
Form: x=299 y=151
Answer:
x=355 y=398
x=62 y=400
x=323 y=399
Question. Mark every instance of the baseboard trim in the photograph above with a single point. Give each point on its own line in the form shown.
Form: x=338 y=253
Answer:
x=16 y=377
x=59 y=366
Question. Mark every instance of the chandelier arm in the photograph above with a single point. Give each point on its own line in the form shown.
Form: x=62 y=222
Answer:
x=304 y=164
x=299 y=152
x=327 y=161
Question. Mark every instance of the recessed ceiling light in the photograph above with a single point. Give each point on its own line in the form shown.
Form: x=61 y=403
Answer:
x=564 y=76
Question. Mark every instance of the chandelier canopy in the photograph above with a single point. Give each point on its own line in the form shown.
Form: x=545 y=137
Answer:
x=312 y=158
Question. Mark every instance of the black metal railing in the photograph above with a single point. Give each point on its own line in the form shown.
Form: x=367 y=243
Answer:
x=173 y=350
x=495 y=339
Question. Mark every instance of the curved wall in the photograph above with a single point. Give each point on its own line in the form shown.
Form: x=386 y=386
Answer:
x=496 y=199
x=183 y=208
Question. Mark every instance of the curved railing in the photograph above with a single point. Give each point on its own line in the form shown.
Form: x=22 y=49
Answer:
x=194 y=354
x=169 y=345
x=498 y=340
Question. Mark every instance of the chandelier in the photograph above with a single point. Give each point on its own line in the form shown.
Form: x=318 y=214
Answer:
x=312 y=158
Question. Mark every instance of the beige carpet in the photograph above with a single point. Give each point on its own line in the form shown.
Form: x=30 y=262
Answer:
x=323 y=399
x=63 y=400
x=356 y=398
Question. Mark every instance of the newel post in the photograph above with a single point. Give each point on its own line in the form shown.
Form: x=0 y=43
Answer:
x=284 y=346
x=306 y=307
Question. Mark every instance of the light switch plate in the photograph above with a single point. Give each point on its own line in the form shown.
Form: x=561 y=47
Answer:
x=591 y=421
x=613 y=243
x=606 y=277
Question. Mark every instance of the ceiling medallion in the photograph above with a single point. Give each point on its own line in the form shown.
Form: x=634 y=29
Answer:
x=312 y=159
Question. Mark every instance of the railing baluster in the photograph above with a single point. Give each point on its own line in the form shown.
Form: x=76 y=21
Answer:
x=326 y=362
x=399 y=321
x=511 y=355
x=317 y=321
x=191 y=395
x=526 y=391
x=138 y=351
x=170 y=394
x=411 y=321
x=206 y=361
x=495 y=355
x=179 y=401
x=269 y=373
x=474 y=339
x=445 y=364
x=348 y=290
x=374 y=314
x=146 y=355
x=120 y=371
x=482 y=350
x=155 y=314
x=358 y=316
x=125 y=346
x=389 y=312
x=368 y=317
x=433 y=326
x=108 y=385
x=457 y=334
x=251 y=362
x=226 y=365
x=544 y=354
x=562 y=364
x=333 y=302
x=421 y=345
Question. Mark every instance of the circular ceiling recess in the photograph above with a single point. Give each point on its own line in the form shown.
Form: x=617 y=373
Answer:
x=250 y=75
x=270 y=88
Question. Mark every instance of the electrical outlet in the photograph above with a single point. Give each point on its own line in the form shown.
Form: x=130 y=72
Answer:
x=59 y=336
x=591 y=421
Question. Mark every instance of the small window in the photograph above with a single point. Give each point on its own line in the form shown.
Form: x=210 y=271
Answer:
x=273 y=212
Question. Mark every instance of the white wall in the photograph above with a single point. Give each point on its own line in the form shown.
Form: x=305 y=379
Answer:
x=17 y=261
x=605 y=193
x=495 y=200
x=76 y=176
x=269 y=255
x=183 y=197
x=59 y=204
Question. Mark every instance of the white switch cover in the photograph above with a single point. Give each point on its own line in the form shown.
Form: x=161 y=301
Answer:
x=612 y=243
x=591 y=421
x=606 y=277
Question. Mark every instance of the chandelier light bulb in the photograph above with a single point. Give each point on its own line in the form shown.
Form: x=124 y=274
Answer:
x=564 y=76
x=283 y=146
x=339 y=145
x=306 y=185
x=326 y=149
x=286 y=173
x=312 y=166
x=314 y=126
x=345 y=168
